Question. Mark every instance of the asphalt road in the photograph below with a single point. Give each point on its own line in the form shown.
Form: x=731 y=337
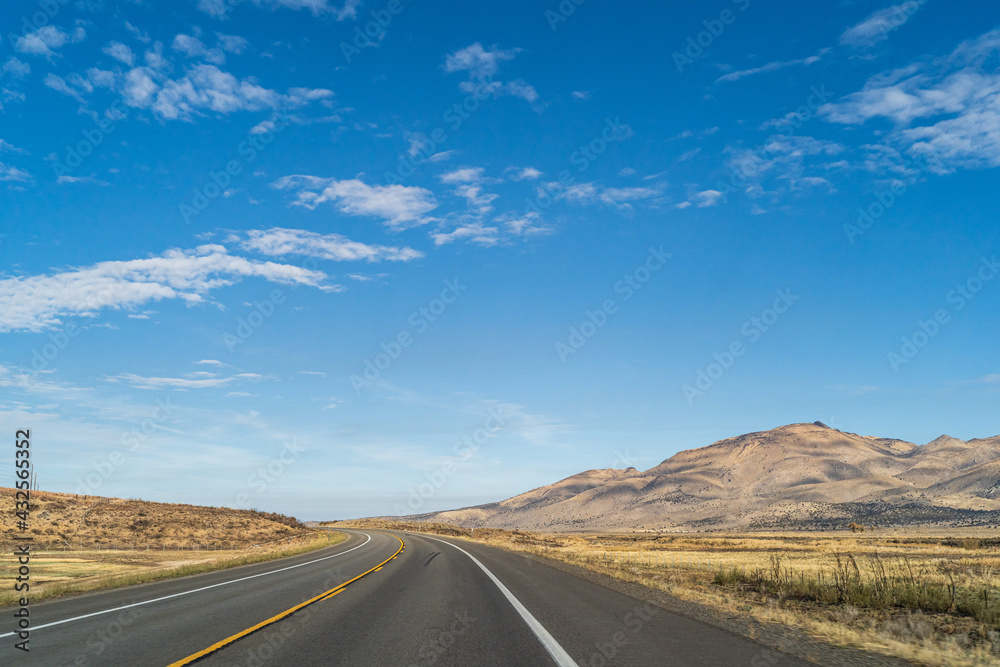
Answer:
x=437 y=602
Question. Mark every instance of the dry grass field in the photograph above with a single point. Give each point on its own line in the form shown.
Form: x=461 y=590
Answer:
x=924 y=596
x=68 y=521
x=82 y=543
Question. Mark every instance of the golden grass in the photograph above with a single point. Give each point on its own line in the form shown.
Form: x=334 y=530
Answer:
x=84 y=543
x=688 y=566
x=59 y=573
x=66 y=520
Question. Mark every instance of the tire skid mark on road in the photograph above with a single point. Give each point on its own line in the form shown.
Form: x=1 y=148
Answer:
x=285 y=614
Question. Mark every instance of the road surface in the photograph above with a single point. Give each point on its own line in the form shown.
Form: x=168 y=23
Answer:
x=372 y=601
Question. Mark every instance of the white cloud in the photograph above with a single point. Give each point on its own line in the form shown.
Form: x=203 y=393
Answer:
x=73 y=85
x=278 y=242
x=464 y=175
x=877 y=27
x=42 y=41
x=263 y=127
x=198 y=380
x=518 y=88
x=474 y=232
x=469 y=182
x=399 y=206
x=482 y=65
x=418 y=141
x=102 y=78
x=206 y=87
x=781 y=163
x=232 y=43
x=13 y=174
x=442 y=156
x=10 y=148
x=220 y=8
x=479 y=62
x=7 y=95
x=526 y=174
x=188 y=45
x=156 y=61
x=581 y=95
x=210 y=362
x=92 y=180
x=120 y=52
x=138 y=34
x=591 y=193
x=523 y=224
x=217 y=8
x=945 y=111
x=16 y=68
x=707 y=198
x=193 y=47
x=38 y=302
x=770 y=67
x=140 y=382
x=471 y=225
x=799 y=146
x=479 y=203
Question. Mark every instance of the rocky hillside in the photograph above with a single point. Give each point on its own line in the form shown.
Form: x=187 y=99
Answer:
x=796 y=476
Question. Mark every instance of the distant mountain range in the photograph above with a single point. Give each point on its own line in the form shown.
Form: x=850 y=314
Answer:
x=801 y=476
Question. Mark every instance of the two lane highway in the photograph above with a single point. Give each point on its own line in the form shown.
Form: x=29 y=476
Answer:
x=437 y=601
x=162 y=622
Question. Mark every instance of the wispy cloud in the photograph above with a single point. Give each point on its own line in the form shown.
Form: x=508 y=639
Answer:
x=771 y=67
x=477 y=61
x=593 y=193
x=39 y=302
x=482 y=65
x=879 y=25
x=43 y=41
x=525 y=174
x=399 y=206
x=198 y=380
x=120 y=52
x=13 y=174
x=204 y=87
x=348 y=10
x=945 y=111
x=278 y=242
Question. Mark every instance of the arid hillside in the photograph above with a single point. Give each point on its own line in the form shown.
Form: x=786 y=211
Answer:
x=66 y=520
x=796 y=476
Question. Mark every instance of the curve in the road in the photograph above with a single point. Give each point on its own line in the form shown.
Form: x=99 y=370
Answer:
x=193 y=590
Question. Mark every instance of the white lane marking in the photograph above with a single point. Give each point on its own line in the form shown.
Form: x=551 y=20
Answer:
x=196 y=590
x=557 y=652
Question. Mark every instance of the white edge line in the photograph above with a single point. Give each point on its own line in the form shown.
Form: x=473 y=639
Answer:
x=557 y=652
x=196 y=590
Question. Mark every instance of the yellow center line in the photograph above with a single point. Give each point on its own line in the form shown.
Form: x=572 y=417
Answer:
x=288 y=612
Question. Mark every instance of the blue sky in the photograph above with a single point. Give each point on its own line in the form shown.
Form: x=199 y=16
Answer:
x=252 y=256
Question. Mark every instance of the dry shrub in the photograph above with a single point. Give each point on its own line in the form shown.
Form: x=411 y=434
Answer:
x=909 y=627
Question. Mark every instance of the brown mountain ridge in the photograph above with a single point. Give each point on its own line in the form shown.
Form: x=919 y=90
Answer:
x=800 y=476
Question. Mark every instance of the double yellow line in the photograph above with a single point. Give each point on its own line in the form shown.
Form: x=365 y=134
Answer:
x=274 y=619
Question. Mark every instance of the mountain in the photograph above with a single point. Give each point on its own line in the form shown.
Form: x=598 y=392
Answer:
x=796 y=476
